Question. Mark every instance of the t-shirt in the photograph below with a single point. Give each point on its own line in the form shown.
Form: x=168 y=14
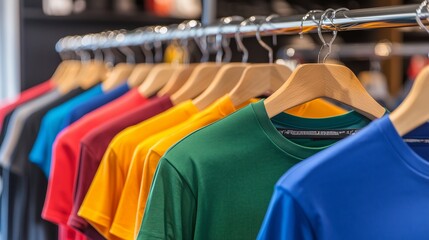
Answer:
x=14 y=148
x=15 y=124
x=24 y=97
x=59 y=196
x=92 y=148
x=111 y=174
x=124 y=221
x=6 y=112
x=52 y=124
x=6 y=121
x=317 y=108
x=23 y=199
x=205 y=192
x=373 y=185
x=95 y=102
x=15 y=128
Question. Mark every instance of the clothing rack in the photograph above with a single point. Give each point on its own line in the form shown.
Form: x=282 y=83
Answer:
x=360 y=19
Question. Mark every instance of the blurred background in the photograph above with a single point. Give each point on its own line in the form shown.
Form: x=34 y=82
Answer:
x=29 y=30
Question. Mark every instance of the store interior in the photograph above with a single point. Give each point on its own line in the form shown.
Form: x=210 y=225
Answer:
x=214 y=119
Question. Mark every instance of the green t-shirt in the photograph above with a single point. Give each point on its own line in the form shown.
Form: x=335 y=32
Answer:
x=217 y=182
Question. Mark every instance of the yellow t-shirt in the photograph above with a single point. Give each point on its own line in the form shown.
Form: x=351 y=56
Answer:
x=102 y=198
x=317 y=108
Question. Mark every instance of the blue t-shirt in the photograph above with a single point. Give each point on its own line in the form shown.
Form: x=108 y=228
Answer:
x=89 y=106
x=51 y=125
x=373 y=185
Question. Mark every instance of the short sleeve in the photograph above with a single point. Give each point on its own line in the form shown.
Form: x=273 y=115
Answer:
x=171 y=207
x=105 y=185
x=285 y=219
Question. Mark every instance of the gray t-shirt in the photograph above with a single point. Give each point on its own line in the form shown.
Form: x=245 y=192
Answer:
x=16 y=124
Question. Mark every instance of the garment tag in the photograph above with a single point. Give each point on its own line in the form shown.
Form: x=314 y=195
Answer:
x=318 y=134
x=416 y=140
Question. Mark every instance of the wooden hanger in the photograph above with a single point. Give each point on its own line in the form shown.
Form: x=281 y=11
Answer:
x=199 y=80
x=68 y=80
x=60 y=71
x=259 y=79
x=66 y=71
x=226 y=78
x=157 y=78
x=311 y=81
x=92 y=73
x=413 y=110
x=139 y=74
x=177 y=80
x=118 y=75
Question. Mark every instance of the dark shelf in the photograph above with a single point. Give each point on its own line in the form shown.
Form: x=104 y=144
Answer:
x=99 y=17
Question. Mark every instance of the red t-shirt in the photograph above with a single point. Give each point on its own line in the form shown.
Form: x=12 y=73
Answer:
x=92 y=149
x=24 y=97
x=65 y=158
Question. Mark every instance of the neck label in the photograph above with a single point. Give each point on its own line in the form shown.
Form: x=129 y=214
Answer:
x=318 y=134
x=417 y=140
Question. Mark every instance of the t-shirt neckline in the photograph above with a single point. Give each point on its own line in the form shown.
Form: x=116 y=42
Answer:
x=300 y=151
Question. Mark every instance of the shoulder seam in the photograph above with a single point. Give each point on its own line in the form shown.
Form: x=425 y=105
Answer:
x=181 y=177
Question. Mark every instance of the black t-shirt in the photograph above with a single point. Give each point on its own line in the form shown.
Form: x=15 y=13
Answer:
x=2 y=135
x=5 y=124
x=25 y=185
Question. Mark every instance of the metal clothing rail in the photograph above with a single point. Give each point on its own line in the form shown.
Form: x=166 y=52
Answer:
x=360 y=19
x=356 y=51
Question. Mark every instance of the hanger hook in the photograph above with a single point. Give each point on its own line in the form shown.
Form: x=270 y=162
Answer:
x=322 y=39
x=84 y=55
x=158 y=43
x=109 y=56
x=87 y=42
x=178 y=43
x=419 y=10
x=201 y=41
x=219 y=41
x=268 y=20
x=96 y=41
x=127 y=51
x=262 y=21
x=146 y=35
x=259 y=38
x=191 y=25
x=222 y=43
x=312 y=14
x=331 y=18
x=227 y=41
x=239 y=41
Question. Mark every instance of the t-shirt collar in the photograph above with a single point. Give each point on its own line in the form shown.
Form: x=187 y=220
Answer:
x=403 y=150
x=288 y=120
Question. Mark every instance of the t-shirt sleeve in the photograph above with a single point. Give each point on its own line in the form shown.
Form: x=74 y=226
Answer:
x=107 y=184
x=171 y=207
x=285 y=219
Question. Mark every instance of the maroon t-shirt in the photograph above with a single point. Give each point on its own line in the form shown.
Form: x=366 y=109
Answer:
x=93 y=147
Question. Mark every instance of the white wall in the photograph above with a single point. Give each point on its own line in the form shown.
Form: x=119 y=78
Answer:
x=9 y=49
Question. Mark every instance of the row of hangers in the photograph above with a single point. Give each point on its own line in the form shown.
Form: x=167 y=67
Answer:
x=208 y=81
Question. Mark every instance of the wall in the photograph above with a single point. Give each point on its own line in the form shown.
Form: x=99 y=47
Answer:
x=9 y=49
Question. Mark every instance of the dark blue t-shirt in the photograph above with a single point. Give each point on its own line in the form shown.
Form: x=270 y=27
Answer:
x=374 y=185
